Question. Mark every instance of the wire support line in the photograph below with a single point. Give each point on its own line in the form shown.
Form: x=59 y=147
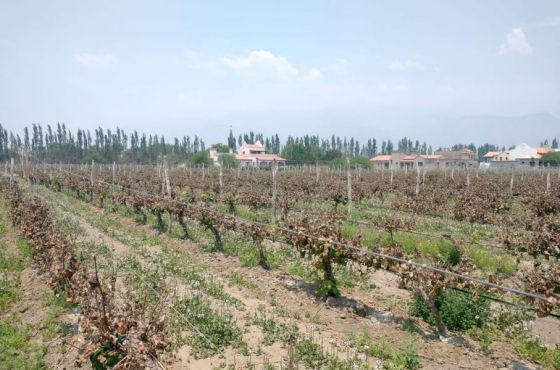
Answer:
x=334 y=242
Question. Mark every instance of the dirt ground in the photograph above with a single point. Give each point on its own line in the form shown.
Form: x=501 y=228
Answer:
x=30 y=310
x=380 y=312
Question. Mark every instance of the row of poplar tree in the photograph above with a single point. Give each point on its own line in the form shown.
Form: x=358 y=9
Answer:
x=59 y=144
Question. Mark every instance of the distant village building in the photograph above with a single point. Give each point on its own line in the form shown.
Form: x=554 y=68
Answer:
x=394 y=160
x=496 y=156
x=381 y=161
x=254 y=155
x=421 y=161
x=456 y=158
x=443 y=158
x=523 y=155
x=249 y=155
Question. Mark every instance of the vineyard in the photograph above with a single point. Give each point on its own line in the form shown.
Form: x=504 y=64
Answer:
x=295 y=268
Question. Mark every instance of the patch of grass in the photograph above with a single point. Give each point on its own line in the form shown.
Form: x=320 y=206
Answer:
x=25 y=248
x=349 y=230
x=240 y=280
x=17 y=351
x=509 y=325
x=410 y=326
x=274 y=330
x=534 y=350
x=484 y=335
x=492 y=262
x=8 y=291
x=10 y=262
x=245 y=212
x=211 y=331
x=176 y=263
x=392 y=357
x=10 y=266
x=310 y=354
x=52 y=325
x=69 y=227
x=301 y=270
x=458 y=310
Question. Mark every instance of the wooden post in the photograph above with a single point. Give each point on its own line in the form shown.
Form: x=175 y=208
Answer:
x=317 y=172
x=417 y=180
x=221 y=182
x=11 y=170
x=274 y=190
x=166 y=187
x=468 y=179
x=349 y=178
x=91 y=174
x=22 y=164
x=547 y=181
x=511 y=183
x=28 y=171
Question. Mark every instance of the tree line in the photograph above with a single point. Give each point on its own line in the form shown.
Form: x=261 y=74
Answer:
x=59 y=144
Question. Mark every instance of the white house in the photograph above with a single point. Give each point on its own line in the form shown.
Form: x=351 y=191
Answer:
x=522 y=155
x=254 y=155
x=523 y=151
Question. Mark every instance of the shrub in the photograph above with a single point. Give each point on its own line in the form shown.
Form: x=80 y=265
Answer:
x=551 y=159
x=228 y=161
x=458 y=310
x=199 y=159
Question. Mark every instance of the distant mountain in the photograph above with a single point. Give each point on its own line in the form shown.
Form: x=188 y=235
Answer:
x=385 y=123
x=382 y=123
x=530 y=129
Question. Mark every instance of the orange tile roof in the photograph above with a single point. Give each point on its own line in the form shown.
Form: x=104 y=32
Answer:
x=381 y=158
x=491 y=154
x=431 y=156
x=254 y=146
x=270 y=157
x=409 y=158
x=543 y=150
x=240 y=157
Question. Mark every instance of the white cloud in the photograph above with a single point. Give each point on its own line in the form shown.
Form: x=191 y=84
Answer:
x=262 y=59
x=550 y=22
x=340 y=65
x=401 y=65
x=314 y=74
x=96 y=60
x=516 y=43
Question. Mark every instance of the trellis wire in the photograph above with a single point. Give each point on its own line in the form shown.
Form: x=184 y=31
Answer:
x=343 y=245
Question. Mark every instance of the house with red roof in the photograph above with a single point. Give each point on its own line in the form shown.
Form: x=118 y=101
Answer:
x=401 y=160
x=254 y=155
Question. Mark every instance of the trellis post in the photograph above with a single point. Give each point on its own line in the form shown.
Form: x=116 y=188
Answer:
x=349 y=178
x=274 y=190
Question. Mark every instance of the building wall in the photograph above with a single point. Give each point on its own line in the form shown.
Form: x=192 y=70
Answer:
x=396 y=159
x=381 y=164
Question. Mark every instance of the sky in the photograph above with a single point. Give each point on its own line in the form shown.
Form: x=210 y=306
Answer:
x=366 y=68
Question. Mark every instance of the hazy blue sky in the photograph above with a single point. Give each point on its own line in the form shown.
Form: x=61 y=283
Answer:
x=178 y=67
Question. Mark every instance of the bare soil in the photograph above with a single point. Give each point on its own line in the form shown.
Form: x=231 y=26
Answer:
x=380 y=312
